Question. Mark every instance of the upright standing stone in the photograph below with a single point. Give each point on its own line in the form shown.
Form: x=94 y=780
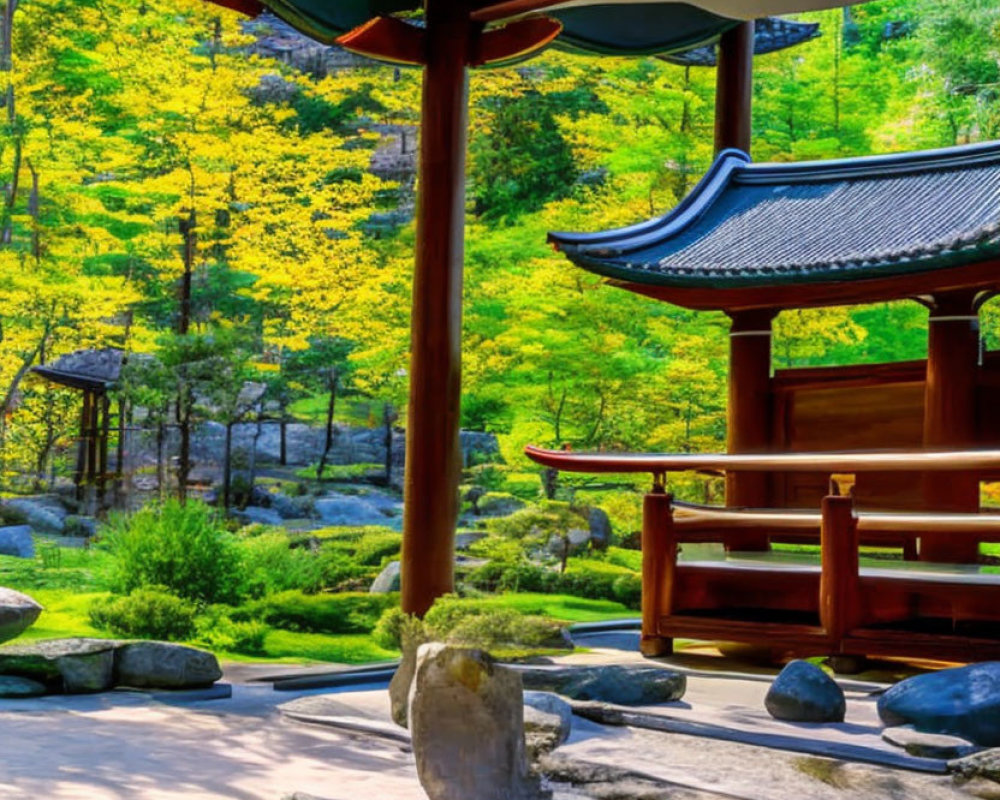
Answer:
x=467 y=723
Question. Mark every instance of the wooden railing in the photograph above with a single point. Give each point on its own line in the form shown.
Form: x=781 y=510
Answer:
x=837 y=526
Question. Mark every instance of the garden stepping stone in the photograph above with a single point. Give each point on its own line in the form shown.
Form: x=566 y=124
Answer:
x=18 y=612
x=928 y=745
x=548 y=720
x=802 y=692
x=615 y=684
x=985 y=764
x=962 y=701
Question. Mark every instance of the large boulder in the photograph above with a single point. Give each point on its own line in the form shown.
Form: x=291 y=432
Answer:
x=985 y=764
x=162 y=665
x=467 y=724
x=802 y=692
x=17 y=613
x=600 y=528
x=387 y=580
x=69 y=665
x=258 y=515
x=632 y=685
x=962 y=701
x=41 y=513
x=548 y=720
x=338 y=509
x=574 y=541
x=498 y=504
x=412 y=636
x=16 y=540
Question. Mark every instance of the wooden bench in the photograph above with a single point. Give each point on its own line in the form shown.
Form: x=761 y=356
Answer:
x=831 y=606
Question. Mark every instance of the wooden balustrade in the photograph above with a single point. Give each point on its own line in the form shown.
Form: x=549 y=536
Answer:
x=833 y=608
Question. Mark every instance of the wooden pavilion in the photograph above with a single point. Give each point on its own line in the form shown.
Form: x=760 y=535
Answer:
x=451 y=37
x=94 y=373
x=753 y=240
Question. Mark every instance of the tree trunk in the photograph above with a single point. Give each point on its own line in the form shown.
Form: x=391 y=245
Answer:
x=227 y=467
x=330 y=408
x=388 y=417
x=253 y=447
x=161 y=472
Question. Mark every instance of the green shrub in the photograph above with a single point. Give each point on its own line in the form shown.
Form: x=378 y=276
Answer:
x=218 y=631
x=484 y=624
x=627 y=590
x=271 y=565
x=543 y=520
x=148 y=613
x=394 y=625
x=184 y=548
x=341 y=472
x=372 y=548
x=338 y=569
x=355 y=612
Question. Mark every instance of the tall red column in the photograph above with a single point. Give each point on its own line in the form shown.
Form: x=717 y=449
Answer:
x=749 y=413
x=734 y=89
x=950 y=416
x=433 y=460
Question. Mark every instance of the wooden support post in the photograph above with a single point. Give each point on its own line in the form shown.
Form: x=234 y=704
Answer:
x=839 y=582
x=749 y=414
x=102 y=451
x=79 y=475
x=659 y=566
x=734 y=89
x=433 y=458
x=93 y=426
x=950 y=417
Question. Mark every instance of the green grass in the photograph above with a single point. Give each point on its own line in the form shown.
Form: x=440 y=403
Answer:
x=341 y=472
x=312 y=410
x=343 y=648
x=65 y=615
x=560 y=607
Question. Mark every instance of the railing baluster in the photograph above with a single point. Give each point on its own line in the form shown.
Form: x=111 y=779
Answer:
x=659 y=565
x=839 y=582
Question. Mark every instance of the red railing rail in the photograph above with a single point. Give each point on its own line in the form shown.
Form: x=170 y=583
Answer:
x=833 y=462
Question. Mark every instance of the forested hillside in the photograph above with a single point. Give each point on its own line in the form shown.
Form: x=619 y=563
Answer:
x=152 y=145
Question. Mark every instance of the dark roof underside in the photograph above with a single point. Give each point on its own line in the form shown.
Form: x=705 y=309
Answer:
x=84 y=369
x=770 y=34
x=630 y=29
x=751 y=225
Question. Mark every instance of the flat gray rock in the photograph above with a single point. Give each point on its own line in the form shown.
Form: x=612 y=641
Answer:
x=14 y=686
x=962 y=701
x=802 y=692
x=70 y=665
x=619 y=685
x=163 y=665
x=928 y=745
x=16 y=540
x=18 y=612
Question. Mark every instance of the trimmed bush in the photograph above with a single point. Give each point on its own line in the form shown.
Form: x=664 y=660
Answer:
x=270 y=564
x=373 y=548
x=218 y=631
x=355 y=612
x=481 y=624
x=393 y=625
x=149 y=613
x=184 y=548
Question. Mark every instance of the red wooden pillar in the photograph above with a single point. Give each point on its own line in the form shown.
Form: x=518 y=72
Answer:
x=659 y=565
x=433 y=459
x=734 y=89
x=749 y=414
x=950 y=416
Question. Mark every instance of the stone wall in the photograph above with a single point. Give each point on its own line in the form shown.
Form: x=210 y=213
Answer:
x=304 y=444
